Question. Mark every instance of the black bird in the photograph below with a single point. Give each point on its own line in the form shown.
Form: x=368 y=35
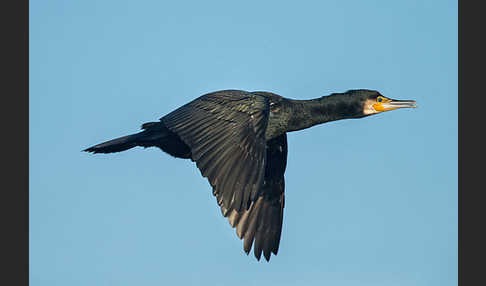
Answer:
x=238 y=140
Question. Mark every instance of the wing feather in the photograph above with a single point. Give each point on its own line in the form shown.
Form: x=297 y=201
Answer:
x=261 y=224
x=225 y=131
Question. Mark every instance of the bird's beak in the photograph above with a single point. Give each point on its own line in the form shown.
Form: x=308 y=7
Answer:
x=392 y=104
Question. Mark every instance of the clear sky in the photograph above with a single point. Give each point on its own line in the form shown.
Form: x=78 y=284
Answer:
x=369 y=201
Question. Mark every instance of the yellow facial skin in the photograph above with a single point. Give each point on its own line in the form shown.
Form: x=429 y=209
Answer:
x=382 y=103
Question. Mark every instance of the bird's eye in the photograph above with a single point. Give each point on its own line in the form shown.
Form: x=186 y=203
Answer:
x=379 y=99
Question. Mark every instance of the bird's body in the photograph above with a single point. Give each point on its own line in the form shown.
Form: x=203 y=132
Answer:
x=238 y=141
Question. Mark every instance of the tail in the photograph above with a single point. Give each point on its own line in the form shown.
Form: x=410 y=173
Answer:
x=116 y=145
x=155 y=134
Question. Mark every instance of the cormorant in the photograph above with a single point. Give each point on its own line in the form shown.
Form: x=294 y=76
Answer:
x=238 y=140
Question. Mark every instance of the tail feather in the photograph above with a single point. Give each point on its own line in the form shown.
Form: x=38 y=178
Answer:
x=115 y=145
x=154 y=134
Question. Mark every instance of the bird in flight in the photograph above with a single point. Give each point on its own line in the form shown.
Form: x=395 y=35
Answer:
x=238 y=140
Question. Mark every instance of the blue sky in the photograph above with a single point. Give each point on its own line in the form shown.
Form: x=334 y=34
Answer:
x=370 y=201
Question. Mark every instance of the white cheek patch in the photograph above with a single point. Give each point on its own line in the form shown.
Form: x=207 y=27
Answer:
x=368 y=108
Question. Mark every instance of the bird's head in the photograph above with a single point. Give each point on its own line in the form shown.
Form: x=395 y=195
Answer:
x=374 y=103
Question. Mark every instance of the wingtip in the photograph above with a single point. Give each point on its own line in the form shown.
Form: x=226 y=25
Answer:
x=258 y=255
x=267 y=256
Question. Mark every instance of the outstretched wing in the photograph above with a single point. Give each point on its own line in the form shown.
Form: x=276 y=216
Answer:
x=261 y=224
x=225 y=131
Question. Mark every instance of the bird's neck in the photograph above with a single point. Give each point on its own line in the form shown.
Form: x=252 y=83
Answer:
x=307 y=113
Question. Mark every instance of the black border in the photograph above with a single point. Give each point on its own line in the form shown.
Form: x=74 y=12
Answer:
x=471 y=143
x=14 y=211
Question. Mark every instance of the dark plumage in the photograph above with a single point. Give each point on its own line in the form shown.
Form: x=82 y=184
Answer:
x=238 y=141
